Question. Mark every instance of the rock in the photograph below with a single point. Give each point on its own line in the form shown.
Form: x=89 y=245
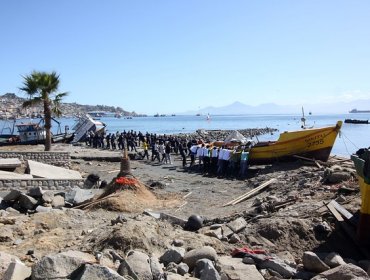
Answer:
x=194 y=223
x=204 y=269
x=279 y=266
x=312 y=262
x=126 y=270
x=58 y=201
x=334 y=260
x=97 y=272
x=172 y=255
x=237 y=225
x=43 y=209
x=217 y=233
x=36 y=192
x=234 y=238
x=287 y=257
x=6 y=234
x=139 y=262
x=235 y=269
x=17 y=270
x=175 y=276
x=78 y=196
x=178 y=242
x=182 y=269
x=248 y=260
x=47 y=197
x=226 y=231
x=156 y=268
x=27 y=202
x=120 y=219
x=5 y=260
x=206 y=252
x=343 y=272
x=61 y=265
x=12 y=195
x=172 y=267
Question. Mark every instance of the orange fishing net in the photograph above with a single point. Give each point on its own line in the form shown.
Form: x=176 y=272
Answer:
x=126 y=181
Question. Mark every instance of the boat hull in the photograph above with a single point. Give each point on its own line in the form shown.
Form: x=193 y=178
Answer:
x=311 y=143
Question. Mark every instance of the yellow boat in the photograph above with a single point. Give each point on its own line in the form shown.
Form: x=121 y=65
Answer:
x=313 y=143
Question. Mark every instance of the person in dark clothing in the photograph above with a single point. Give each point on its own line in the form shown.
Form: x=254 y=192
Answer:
x=113 y=141
x=107 y=138
x=182 y=154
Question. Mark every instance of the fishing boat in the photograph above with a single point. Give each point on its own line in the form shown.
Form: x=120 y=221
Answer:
x=86 y=124
x=313 y=143
x=32 y=133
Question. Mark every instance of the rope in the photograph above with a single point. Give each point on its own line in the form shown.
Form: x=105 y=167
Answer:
x=345 y=145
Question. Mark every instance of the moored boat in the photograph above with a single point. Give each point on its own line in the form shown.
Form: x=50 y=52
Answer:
x=356 y=121
x=314 y=143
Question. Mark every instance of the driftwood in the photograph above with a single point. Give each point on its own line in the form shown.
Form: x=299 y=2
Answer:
x=250 y=193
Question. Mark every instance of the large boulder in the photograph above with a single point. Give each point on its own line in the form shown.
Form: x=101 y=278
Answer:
x=234 y=268
x=61 y=265
x=17 y=270
x=172 y=255
x=312 y=262
x=206 y=252
x=5 y=260
x=139 y=263
x=343 y=272
x=97 y=272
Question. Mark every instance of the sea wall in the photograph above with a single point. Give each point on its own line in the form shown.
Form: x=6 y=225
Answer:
x=46 y=184
x=62 y=159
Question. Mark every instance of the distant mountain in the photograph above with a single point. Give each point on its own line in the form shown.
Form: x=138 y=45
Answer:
x=238 y=108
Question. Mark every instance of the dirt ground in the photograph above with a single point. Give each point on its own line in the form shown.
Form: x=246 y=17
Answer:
x=182 y=192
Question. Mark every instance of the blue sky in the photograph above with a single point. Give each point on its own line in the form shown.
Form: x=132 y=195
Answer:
x=173 y=56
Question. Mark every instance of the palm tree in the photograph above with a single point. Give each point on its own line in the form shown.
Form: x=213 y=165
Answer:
x=42 y=88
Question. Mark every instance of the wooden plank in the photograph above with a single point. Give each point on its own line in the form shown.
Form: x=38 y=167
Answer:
x=243 y=195
x=254 y=191
x=334 y=211
x=341 y=210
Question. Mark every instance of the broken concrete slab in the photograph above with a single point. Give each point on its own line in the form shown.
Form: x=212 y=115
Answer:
x=42 y=170
x=13 y=176
x=9 y=163
x=234 y=268
x=78 y=196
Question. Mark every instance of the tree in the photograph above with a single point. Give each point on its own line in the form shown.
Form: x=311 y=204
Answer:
x=42 y=89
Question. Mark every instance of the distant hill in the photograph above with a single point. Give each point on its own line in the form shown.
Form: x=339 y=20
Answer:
x=238 y=108
x=12 y=103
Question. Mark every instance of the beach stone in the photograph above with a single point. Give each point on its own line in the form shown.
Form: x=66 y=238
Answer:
x=43 y=209
x=78 y=196
x=235 y=269
x=343 y=272
x=27 y=202
x=58 y=201
x=204 y=269
x=58 y=266
x=139 y=262
x=248 y=260
x=182 y=269
x=97 y=272
x=226 y=231
x=36 y=192
x=172 y=255
x=234 y=238
x=12 y=195
x=5 y=261
x=217 y=233
x=17 y=270
x=334 y=260
x=48 y=196
x=125 y=270
x=206 y=252
x=171 y=267
x=178 y=242
x=156 y=268
x=312 y=262
x=237 y=225
x=279 y=266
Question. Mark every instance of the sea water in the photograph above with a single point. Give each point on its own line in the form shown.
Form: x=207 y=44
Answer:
x=351 y=138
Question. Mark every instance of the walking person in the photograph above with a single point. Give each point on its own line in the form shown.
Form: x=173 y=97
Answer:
x=146 y=148
x=167 y=151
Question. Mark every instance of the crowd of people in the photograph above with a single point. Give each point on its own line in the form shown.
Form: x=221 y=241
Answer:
x=196 y=155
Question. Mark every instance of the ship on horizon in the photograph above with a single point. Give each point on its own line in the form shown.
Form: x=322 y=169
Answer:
x=359 y=111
